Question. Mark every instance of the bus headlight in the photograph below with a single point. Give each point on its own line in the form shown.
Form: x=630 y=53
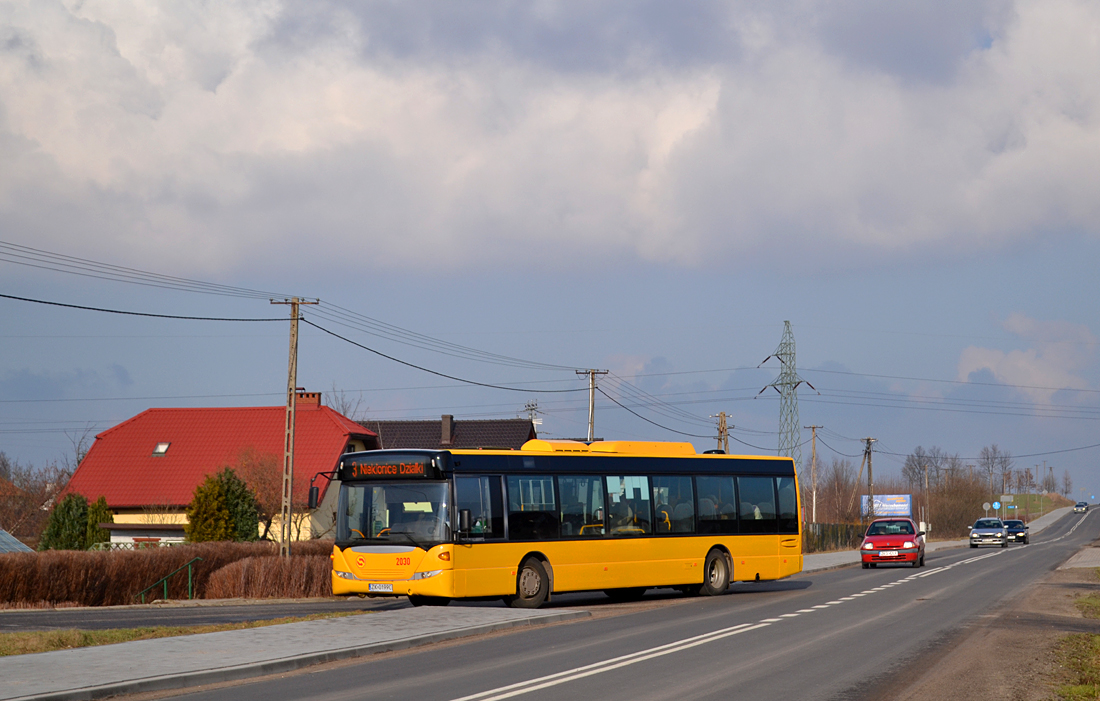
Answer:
x=345 y=575
x=425 y=575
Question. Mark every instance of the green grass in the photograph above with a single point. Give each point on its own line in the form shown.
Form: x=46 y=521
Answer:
x=47 y=641
x=1079 y=658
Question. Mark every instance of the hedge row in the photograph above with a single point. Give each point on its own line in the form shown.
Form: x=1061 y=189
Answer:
x=116 y=577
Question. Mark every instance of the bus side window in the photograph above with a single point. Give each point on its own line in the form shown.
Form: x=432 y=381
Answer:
x=482 y=497
x=757 y=504
x=717 y=513
x=675 y=505
x=532 y=508
x=629 y=506
x=788 y=505
x=581 y=506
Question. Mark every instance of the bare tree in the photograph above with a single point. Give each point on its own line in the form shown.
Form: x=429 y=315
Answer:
x=263 y=472
x=835 y=493
x=26 y=499
x=1050 y=482
x=1067 y=484
x=340 y=401
x=81 y=442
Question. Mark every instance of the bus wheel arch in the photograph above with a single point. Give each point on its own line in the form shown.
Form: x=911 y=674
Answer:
x=534 y=582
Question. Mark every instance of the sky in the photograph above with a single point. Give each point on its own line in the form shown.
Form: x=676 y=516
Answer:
x=506 y=193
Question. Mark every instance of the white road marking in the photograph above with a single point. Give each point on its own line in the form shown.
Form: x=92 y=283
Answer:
x=569 y=675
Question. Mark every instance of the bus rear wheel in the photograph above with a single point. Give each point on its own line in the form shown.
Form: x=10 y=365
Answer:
x=716 y=575
x=532 y=585
x=420 y=600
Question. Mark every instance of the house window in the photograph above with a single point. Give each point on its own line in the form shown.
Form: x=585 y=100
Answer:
x=161 y=449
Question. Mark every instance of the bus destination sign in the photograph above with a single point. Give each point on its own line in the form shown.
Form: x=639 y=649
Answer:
x=388 y=467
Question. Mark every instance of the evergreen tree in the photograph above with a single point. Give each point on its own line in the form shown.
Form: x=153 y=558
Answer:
x=207 y=514
x=67 y=527
x=98 y=513
x=240 y=500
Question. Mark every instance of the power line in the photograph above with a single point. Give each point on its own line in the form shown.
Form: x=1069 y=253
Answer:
x=682 y=433
x=128 y=313
x=434 y=372
x=83 y=267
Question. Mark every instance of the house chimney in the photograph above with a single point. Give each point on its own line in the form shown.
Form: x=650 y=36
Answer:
x=305 y=398
x=448 y=432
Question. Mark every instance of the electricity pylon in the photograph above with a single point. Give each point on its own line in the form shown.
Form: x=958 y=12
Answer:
x=790 y=443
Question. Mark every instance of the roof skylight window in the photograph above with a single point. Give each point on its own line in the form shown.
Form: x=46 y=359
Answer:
x=161 y=449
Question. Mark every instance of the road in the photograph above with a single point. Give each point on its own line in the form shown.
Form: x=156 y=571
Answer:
x=845 y=634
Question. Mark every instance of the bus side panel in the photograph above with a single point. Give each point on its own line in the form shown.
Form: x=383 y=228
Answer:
x=790 y=555
x=489 y=568
x=755 y=555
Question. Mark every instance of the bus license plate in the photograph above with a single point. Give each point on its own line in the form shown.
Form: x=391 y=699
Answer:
x=888 y=553
x=380 y=587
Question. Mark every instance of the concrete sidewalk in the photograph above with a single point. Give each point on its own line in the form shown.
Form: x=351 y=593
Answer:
x=193 y=660
x=828 y=561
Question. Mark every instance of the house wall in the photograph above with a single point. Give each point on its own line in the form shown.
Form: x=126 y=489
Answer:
x=323 y=519
x=167 y=515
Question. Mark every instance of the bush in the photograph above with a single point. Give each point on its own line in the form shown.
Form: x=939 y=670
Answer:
x=67 y=527
x=272 y=577
x=240 y=501
x=98 y=513
x=207 y=514
x=114 y=577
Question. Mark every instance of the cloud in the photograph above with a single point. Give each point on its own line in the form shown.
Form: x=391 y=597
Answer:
x=253 y=134
x=1059 y=350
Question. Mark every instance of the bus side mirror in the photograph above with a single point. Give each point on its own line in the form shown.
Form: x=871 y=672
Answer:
x=463 y=521
x=314 y=494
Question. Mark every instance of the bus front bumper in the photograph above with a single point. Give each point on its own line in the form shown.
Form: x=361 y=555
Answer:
x=432 y=583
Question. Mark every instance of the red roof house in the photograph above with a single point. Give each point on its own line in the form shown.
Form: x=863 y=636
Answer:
x=157 y=458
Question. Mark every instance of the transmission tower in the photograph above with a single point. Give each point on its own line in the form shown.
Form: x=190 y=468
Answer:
x=787 y=385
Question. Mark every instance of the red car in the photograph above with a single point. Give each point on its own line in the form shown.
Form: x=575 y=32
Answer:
x=892 y=540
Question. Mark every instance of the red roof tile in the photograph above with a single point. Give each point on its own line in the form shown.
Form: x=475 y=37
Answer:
x=121 y=465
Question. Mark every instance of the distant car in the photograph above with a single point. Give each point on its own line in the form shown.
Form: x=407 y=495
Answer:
x=1017 y=532
x=988 y=531
x=1081 y=507
x=892 y=540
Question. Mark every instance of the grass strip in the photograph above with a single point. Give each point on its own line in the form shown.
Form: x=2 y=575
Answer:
x=1079 y=659
x=50 y=640
x=1089 y=606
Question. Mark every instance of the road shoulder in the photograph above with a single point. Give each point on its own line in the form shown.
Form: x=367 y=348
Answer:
x=1008 y=653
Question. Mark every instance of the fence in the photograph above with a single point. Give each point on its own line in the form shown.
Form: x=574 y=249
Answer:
x=822 y=537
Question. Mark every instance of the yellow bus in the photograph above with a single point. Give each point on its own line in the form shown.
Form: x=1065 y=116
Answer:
x=561 y=516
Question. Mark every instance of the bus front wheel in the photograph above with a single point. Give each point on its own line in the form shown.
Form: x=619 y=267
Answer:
x=532 y=585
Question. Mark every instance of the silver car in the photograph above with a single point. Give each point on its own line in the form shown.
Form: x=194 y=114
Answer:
x=989 y=531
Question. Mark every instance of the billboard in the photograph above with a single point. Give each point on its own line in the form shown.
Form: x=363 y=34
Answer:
x=889 y=505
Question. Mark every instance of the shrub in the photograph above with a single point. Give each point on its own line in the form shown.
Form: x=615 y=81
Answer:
x=98 y=513
x=240 y=501
x=67 y=527
x=207 y=514
x=272 y=577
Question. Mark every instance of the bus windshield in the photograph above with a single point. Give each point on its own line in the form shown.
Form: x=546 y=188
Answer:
x=415 y=514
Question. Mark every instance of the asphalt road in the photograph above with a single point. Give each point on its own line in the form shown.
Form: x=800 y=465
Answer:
x=845 y=634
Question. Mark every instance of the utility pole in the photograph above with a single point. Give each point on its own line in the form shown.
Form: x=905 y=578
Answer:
x=870 y=480
x=592 y=400
x=723 y=432
x=786 y=384
x=813 y=470
x=287 y=512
